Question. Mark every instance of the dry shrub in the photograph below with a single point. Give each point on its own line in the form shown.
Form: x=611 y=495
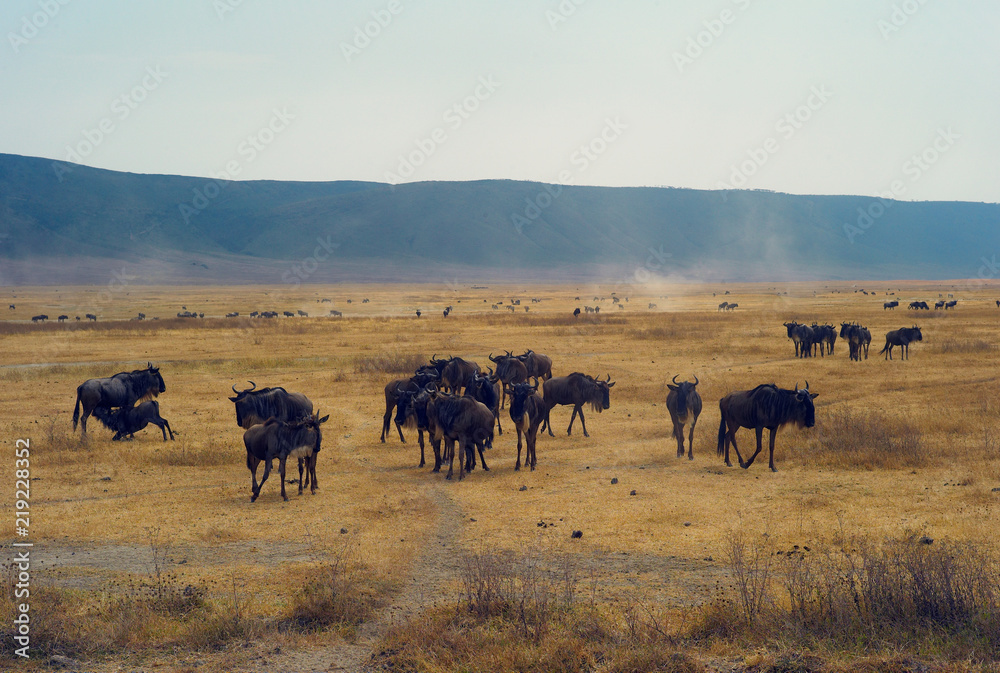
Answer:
x=333 y=594
x=965 y=346
x=868 y=439
x=389 y=363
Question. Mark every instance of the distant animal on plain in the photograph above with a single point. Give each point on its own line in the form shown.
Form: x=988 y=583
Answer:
x=684 y=407
x=903 y=338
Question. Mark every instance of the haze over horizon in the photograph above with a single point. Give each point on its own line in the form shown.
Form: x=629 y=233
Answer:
x=893 y=97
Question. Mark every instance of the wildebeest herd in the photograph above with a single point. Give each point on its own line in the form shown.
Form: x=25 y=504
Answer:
x=458 y=406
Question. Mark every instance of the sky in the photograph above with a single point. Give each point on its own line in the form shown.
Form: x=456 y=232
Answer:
x=892 y=97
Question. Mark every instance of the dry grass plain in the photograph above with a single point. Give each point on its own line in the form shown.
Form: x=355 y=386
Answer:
x=104 y=513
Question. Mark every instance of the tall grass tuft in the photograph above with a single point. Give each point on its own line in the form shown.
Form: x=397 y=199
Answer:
x=868 y=439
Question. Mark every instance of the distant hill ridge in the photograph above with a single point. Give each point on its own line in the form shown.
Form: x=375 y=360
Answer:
x=282 y=231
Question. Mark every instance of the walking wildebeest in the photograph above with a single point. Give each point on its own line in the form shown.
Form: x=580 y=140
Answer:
x=950 y=304
x=902 y=338
x=890 y=304
x=411 y=411
x=766 y=406
x=527 y=410
x=130 y=420
x=538 y=365
x=510 y=371
x=272 y=439
x=803 y=338
x=63 y=318
x=121 y=390
x=576 y=389
x=684 y=406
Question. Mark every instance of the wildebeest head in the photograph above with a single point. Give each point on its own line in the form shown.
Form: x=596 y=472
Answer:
x=305 y=431
x=915 y=334
x=790 y=326
x=600 y=397
x=519 y=393
x=483 y=390
x=845 y=329
x=684 y=390
x=803 y=412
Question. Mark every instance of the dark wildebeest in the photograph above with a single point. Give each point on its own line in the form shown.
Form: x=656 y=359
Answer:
x=466 y=421
x=91 y=316
x=63 y=318
x=121 y=390
x=393 y=389
x=457 y=374
x=766 y=406
x=538 y=365
x=732 y=306
x=890 y=304
x=127 y=421
x=803 y=338
x=950 y=304
x=510 y=371
x=723 y=306
x=272 y=439
x=527 y=410
x=39 y=318
x=256 y=406
x=684 y=406
x=576 y=312
x=825 y=336
x=938 y=304
x=411 y=411
x=902 y=338
x=576 y=389
x=486 y=389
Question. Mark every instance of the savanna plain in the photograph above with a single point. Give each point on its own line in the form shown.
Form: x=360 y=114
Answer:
x=873 y=547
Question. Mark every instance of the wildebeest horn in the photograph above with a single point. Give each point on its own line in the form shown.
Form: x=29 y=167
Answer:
x=235 y=392
x=609 y=378
x=796 y=386
x=673 y=380
x=807 y=385
x=696 y=379
x=252 y=384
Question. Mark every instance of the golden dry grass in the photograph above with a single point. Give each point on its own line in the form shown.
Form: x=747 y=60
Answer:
x=665 y=543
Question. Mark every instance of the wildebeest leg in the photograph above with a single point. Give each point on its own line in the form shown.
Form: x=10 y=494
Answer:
x=679 y=436
x=690 y=441
x=532 y=436
x=546 y=423
x=436 y=445
x=252 y=463
x=770 y=463
x=281 y=473
x=499 y=429
x=302 y=467
x=582 y=422
x=449 y=453
x=760 y=436
x=263 y=478
x=517 y=464
x=479 y=446
x=312 y=473
x=420 y=440
x=731 y=437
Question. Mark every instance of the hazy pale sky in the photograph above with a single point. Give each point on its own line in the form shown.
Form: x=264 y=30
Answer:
x=845 y=97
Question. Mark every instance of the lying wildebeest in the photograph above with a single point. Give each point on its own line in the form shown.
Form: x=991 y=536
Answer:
x=684 y=406
x=510 y=371
x=538 y=365
x=121 y=390
x=766 y=406
x=576 y=389
x=272 y=439
x=527 y=410
x=902 y=338
x=126 y=421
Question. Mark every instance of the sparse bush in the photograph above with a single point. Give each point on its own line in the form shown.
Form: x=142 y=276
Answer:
x=389 y=363
x=965 y=346
x=848 y=438
x=332 y=594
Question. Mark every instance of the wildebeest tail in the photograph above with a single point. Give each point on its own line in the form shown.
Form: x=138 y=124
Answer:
x=76 y=409
x=721 y=448
x=884 y=348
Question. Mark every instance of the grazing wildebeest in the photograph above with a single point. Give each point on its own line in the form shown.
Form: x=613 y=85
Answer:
x=11 y=307
x=300 y=439
x=576 y=312
x=63 y=318
x=766 y=406
x=576 y=389
x=126 y=421
x=902 y=338
x=510 y=371
x=91 y=316
x=684 y=406
x=723 y=306
x=234 y=314
x=302 y=314
x=123 y=389
x=527 y=410
x=338 y=314
x=538 y=365
x=39 y=318
x=457 y=374
x=890 y=304
x=732 y=306
x=950 y=304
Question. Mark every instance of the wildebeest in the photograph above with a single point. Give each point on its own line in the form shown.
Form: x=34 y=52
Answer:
x=486 y=389
x=576 y=389
x=39 y=318
x=457 y=374
x=91 y=316
x=467 y=422
x=858 y=338
x=890 y=304
x=902 y=338
x=234 y=314
x=63 y=318
x=411 y=411
x=11 y=307
x=732 y=306
x=302 y=314
x=255 y=406
x=917 y=305
x=825 y=335
x=938 y=304
x=576 y=312
x=510 y=371
x=723 y=306
x=338 y=314
x=126 y=421
x=300 y=439
x=684 y=406
x=803 y=338
x=766 y=406
x=527 y=410
x=538 y=365
x=950 y=304
x=394 y=389
x=123 y=389
x=288 y=314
